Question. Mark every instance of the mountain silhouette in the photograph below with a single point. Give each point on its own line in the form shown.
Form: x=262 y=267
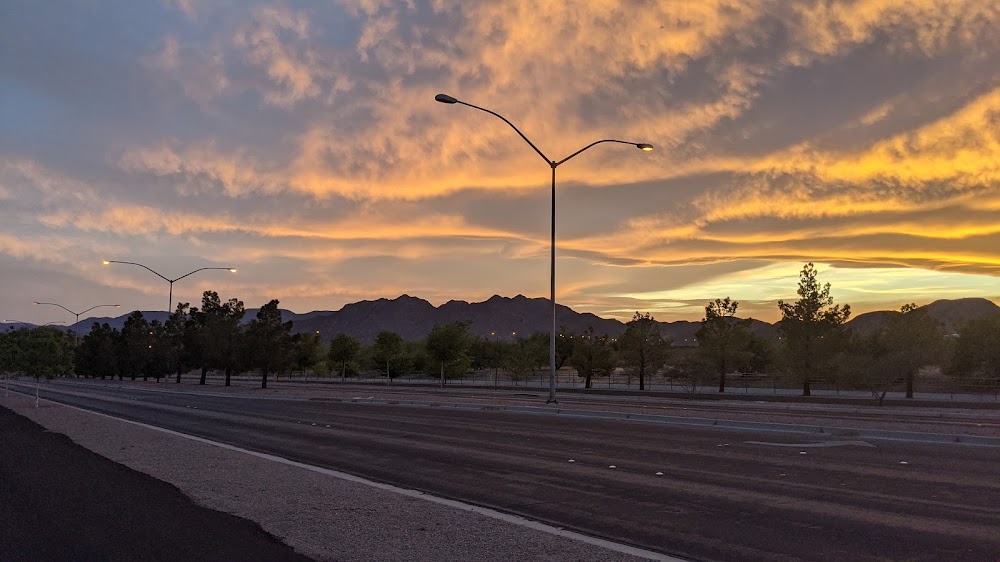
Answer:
x=507 y=317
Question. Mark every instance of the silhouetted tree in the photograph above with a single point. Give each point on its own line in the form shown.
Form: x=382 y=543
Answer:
x=269 y=341
x=95 y=357
x=643 y=348
x=308 y=350
x=134 y=345
x=977 y=353
x=448 y=345
x=344 y=349
x=388 y=352
x=592 y=356
x=220 y=333
x=177 y=341
x=723 y=339
x=812 y=327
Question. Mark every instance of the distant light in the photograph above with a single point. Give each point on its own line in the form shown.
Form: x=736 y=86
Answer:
x=645 y=147
x=36 y=302
x=445 y=98
x=232 y=270
x=106 y=262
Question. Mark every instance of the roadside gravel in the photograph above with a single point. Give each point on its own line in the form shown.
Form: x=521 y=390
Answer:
x=321 y=516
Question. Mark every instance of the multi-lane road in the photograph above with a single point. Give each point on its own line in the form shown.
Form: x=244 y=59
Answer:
x=695 y=493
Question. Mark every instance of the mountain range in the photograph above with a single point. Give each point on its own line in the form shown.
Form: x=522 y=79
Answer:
x=504 y=318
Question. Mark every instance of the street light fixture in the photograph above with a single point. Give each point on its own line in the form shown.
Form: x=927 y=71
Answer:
x=170 y=302
x=77 y=314
x=645 y=147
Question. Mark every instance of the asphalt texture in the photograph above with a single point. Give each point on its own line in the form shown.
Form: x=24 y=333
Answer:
x=708 y=494
x=59 y=501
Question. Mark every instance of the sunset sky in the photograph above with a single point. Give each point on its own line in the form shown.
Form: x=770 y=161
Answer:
x=300 y=143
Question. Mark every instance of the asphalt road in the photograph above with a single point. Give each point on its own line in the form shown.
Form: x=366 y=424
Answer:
x=59 y=501
x=721 y=494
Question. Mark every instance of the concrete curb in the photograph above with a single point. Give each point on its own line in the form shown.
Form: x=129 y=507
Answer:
x=909 y=436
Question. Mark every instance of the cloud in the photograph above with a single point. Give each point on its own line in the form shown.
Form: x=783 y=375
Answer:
x=277 y=39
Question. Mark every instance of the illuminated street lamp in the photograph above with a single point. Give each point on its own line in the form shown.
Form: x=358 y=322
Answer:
x=170 y=302
x=645 y=147
x=77 y=314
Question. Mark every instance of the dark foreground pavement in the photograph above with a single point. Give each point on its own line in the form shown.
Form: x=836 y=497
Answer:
x=59 y=501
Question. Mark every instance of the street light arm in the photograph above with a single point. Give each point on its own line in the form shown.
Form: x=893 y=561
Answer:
x=636 y=144
x=197 y=270
x=97 y=306
x=158 y=274
x=60 y=306
x=505 y=120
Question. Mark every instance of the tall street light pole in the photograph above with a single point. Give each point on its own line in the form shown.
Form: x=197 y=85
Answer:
x=77 y=314
x=645 y=147
x=170 y=302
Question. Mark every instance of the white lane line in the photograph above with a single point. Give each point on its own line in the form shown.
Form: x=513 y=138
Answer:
x=821 y=444
x=492 y=513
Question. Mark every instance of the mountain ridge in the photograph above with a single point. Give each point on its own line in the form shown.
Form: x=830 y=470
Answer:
x=507 y=317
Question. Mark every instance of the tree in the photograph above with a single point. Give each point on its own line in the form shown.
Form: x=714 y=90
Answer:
x=269 y=341
x=308 y=351
x=344 y=349
x=723 y=339
x=592 y=356
x=448 y=345
x=134 y=346
x=977 y=352
x=96 y=355
x=176 y=338
x=812 y=327
x=161 y=355
x=520 y=356
x=643 y=348
x=221 y=333
x=389 y=352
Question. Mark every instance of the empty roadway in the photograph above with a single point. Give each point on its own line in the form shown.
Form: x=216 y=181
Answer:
x=719 y=495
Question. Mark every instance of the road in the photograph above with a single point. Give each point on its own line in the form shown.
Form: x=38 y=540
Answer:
x=697 y=493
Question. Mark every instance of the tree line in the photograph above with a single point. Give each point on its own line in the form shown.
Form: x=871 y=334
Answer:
x=813 y=345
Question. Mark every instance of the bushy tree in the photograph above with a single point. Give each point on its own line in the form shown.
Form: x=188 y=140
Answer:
x=95 y=357
x=134 y=346
x=269 y=341
x=593 y=356
x=643 y=349
x=175 y=334
x=977 y=352
x=523 y=355
x=343 y=350
x=160 y=352
x=724 y=340
x=448 y=346
x=812 y=327
x=46 y=353
x=388 y=353
x=221 y=333
x=308 y=351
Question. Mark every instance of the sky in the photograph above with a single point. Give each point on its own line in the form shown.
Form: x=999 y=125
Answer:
x=300 y=143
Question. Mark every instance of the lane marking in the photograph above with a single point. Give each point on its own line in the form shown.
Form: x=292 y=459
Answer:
x=485 y=511
x=821 y=444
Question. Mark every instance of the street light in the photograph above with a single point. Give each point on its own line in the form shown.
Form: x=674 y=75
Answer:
x=77 y=314
x=170 y=302
x=645 y=147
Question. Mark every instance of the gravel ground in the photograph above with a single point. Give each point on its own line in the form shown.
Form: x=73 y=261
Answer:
x=321 y=516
